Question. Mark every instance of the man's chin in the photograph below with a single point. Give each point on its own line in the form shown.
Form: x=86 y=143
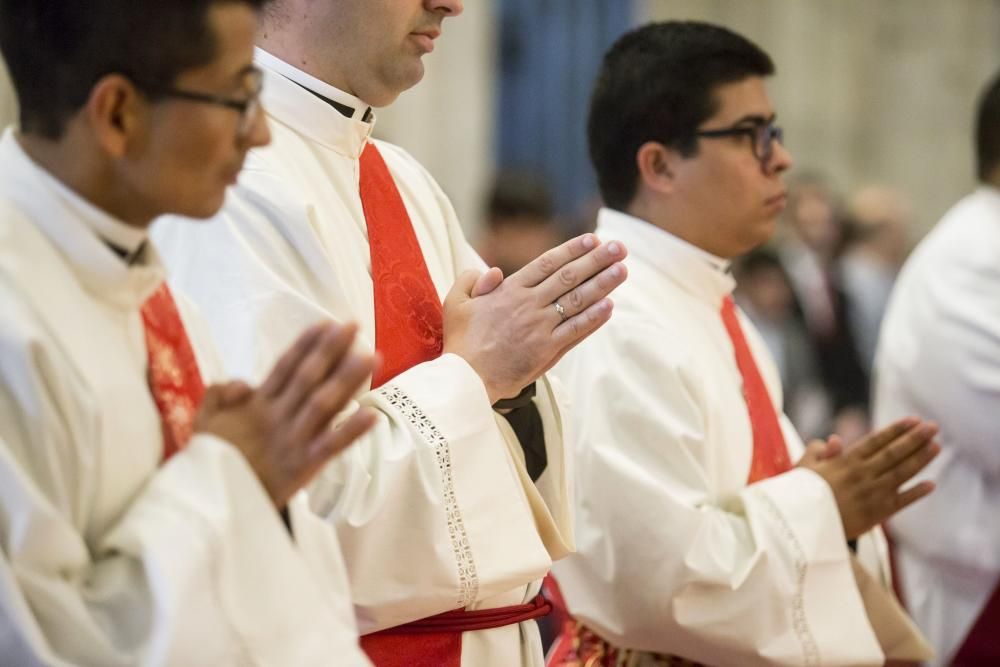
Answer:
x=203 y=210
x=401 y=81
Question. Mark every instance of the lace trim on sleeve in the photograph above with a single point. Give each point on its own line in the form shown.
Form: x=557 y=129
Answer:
x=468 y=579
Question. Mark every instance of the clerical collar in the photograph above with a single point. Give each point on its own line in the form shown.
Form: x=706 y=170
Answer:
x=717 y=263
x=346 y=104
x=76 y=229
x=695 y=269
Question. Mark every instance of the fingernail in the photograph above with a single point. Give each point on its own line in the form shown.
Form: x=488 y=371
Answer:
x=616 y=271
x=589 y=242
x=614 y=248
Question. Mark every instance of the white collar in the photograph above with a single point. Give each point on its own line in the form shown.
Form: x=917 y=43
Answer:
x=290 y=98
x=77 y=228
x=309 y=82
x=692 y=268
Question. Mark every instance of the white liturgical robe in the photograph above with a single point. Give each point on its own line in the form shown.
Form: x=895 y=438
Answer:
x=111 y=557
x=677 y=555
x=939 y=357
x=434 y=509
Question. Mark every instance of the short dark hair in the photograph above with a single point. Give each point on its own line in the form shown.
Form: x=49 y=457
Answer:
x=522 y=195
x=988 y=130
x=657 y=83
x=57 y=50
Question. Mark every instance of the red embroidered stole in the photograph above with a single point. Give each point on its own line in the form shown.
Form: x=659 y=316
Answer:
x=173 y=376
x=408 y=313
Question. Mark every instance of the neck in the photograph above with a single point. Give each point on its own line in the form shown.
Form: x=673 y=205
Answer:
x=78 y=168
x=294 y=51
x=684 y=226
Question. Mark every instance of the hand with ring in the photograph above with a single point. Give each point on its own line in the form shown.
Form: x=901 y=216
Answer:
x=513 y=330
x=559 y=309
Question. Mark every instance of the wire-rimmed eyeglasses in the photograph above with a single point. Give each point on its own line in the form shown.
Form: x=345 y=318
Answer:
x=248 y=108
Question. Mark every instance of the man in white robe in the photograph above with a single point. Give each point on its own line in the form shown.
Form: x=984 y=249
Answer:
x=939 y=354
x=697 y=539
x=439 y=509
x=111 y=554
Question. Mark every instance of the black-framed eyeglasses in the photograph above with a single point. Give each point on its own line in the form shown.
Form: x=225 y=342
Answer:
x=762 y=135
x=248 y=108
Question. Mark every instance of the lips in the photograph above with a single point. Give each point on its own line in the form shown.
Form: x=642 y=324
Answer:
x=425 y=38
x=777 y=200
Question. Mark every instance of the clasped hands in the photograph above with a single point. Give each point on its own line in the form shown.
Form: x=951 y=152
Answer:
x=511 y=331
x=867 y=478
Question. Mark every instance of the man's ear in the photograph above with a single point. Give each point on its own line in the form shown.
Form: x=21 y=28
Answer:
x=657 y=166
x=117 y=113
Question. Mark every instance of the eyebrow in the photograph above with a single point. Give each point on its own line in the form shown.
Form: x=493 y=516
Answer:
x=756 y=119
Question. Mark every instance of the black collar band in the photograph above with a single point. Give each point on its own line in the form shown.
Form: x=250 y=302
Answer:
x=343 y=109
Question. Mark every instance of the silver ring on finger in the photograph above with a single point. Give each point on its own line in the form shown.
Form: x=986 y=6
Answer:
x=559 y=309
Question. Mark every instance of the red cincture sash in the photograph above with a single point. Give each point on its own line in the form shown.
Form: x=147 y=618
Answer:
x=436 y=641
x=173 y=376
x=409 y=331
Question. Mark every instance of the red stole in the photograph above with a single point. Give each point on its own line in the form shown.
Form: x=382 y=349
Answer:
x=173 y=376
x=408 y=314
x=770 y=454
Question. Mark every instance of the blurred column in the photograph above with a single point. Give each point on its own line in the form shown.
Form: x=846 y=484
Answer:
x=550 y=51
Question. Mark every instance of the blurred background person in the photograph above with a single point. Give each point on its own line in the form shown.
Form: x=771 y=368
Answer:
x=877 y=240
x=810 y=252
x=520 y=221
x=939 y=356
x=764 y=292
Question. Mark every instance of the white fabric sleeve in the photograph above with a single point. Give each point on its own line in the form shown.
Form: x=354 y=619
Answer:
x=939 y=358
x=197 y=570
x=761 y=575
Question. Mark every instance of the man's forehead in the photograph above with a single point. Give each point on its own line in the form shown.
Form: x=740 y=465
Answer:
x=743 y=99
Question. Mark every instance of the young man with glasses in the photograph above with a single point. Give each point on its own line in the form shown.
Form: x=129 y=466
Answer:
x=147 y=517
x=706 y=531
